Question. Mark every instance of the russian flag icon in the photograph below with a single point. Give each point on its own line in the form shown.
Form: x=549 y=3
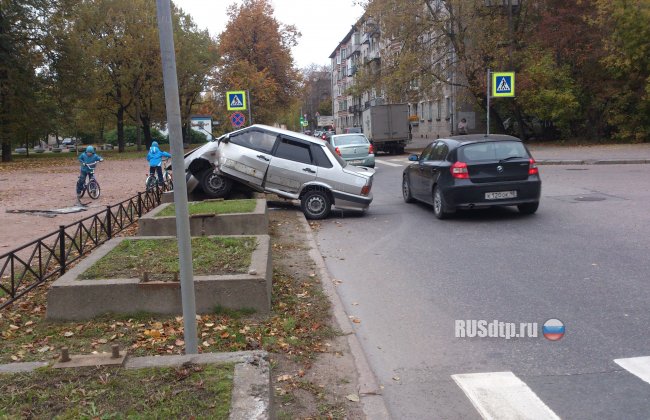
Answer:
x=553 y=329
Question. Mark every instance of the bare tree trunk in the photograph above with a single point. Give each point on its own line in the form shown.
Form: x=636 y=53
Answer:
x=120 y=129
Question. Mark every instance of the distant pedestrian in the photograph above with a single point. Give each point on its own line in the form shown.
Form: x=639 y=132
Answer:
x=462 y=126
x=154 y=157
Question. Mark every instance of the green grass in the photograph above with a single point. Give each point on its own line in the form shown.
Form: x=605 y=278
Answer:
x=213 y=207
x=159 y=258
x=186 y=392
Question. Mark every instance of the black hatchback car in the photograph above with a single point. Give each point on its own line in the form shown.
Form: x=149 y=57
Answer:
x=473 y=171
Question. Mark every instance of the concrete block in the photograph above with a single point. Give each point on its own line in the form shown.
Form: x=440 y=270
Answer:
x=71 y=298
x=254 y=223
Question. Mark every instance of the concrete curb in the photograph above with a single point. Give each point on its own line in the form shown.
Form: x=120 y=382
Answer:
x=251 y=394
x=374 y=406
x=593 y=162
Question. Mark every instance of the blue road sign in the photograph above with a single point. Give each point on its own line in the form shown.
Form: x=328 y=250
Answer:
x=503 y=84
x=236 y=100
x=237 y=119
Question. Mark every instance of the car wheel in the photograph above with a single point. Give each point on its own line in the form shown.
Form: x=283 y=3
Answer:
x=316 y=204
x=439 y=205
x=528 y=208
x=215 y=185
x=406 y=190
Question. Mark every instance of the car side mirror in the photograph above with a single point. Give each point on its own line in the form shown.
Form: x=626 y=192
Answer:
x=414 y=158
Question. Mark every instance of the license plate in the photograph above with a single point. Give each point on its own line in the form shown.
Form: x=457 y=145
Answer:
x=355 y=162
x=500 y=195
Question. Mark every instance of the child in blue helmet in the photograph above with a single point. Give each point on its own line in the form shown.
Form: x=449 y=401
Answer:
x=154 y=157
x=87 y=157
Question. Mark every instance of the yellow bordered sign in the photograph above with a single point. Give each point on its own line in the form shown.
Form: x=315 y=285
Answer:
x=503 y=84
x=236 y=100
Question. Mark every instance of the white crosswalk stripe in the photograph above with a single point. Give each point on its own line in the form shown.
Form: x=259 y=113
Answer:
x=502 y=395
x=383 y=162
x=638 y=366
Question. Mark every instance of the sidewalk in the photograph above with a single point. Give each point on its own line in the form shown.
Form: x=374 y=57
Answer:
x=574 y=155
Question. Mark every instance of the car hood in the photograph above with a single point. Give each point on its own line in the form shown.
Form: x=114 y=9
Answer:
x=359 y=170
x=200 y=151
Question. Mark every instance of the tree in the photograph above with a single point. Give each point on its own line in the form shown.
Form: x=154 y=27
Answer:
x=22 y=30
x=258 y=59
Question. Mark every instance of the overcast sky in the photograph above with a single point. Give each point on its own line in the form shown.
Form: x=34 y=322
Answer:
x=323 y=23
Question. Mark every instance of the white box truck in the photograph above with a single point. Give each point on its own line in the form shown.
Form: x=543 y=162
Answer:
x=387 y=127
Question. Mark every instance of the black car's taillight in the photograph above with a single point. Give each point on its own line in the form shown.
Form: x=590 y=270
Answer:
x=532 y=167
x=459 y=170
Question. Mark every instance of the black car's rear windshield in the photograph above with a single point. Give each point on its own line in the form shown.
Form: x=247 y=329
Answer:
x=491 y=151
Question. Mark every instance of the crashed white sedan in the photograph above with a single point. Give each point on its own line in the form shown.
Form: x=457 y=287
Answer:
x=289 y=164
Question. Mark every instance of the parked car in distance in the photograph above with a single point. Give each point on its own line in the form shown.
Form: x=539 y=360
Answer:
x=354 y=148
x=473 y=171
x=326 y=135
x=291 y=165
x=318 y=133
x=349 y=130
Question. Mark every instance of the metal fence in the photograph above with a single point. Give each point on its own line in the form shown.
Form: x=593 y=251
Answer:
x=27 y=267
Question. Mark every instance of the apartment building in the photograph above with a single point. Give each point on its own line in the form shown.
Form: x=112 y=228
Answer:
x=435 y=112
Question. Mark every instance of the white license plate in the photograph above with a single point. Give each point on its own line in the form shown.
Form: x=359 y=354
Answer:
x=500 y=195
x=355 y=162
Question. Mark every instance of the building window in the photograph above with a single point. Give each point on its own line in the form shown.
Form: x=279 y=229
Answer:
x=439 y=106
x=448 y=107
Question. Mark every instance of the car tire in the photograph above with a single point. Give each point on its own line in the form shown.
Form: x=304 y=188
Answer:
x=528 y=208
x=316 y=204
x=439 y=206
x=406 y=190
x=215 y=185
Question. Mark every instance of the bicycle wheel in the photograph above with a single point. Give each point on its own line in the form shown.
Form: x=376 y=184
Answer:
x=169 y=182
x=93 y=189
x=150 y=183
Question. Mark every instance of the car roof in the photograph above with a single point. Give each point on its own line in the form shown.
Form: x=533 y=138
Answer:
x=475 y=138
x=278 y=130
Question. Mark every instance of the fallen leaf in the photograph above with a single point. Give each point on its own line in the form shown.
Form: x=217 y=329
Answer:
x=396 y=378
x=179 y=343
x=352 y=397
x=206 y=344
x=102 y=341
x=43 y=349
x=14 y=327
x=209 y=324
x=356 y=321
x=284 y=378
x=68 y=334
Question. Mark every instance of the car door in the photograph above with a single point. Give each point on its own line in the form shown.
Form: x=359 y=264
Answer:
x=416 y=173
x=431 y=169
x=246 y=155
x=291 y=166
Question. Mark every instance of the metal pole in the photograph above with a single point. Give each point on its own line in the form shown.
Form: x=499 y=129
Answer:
x=180 y=189
x=250 y=115
x=488 y=104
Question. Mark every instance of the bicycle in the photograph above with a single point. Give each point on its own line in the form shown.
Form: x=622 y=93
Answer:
x=151 y=182
x=91 y=185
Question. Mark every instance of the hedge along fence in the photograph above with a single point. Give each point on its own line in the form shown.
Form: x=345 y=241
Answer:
x=32 y=264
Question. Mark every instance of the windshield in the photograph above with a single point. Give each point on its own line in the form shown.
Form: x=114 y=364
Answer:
x=492 y=151
x=349 y=140
x=338 y=158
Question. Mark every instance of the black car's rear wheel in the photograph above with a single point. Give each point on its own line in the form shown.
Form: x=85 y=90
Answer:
x=215 y=185
x=316 y=204
x=406 y=190
x=440 y=209
x=528 y=208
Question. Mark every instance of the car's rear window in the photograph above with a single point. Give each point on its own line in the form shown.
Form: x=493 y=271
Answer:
x=491 y=151
x=338 y=158
x=349 y=140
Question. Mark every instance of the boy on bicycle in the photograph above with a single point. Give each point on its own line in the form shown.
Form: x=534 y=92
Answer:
x=154 y=157
x=86 y=158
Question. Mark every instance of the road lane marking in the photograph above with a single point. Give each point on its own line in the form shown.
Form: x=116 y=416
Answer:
x=383 y=162
x=637 y=366
x=502 y=395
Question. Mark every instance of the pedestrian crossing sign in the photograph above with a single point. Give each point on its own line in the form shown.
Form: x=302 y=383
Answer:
x=503 y=84
x=236 y=100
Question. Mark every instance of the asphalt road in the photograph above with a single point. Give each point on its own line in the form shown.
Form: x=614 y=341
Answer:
x=582 y=259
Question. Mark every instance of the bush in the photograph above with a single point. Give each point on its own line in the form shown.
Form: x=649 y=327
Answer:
x=131 y=134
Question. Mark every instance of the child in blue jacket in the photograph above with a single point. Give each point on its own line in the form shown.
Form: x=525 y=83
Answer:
x=87 y=157
x=154 y=157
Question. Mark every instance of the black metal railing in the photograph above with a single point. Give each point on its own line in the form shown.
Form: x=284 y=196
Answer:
x=32 y=264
